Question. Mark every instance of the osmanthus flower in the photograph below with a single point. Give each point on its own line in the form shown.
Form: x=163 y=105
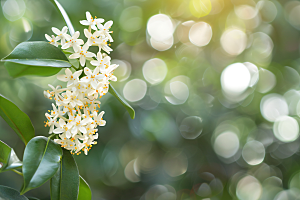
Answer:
x=73 y=42
x=90 y=21
x=108 y=72
x=61 y=35
x=69 y=77
x=103 y=45
x=92 y=77
x=70 y=98
x=79 y=125
x=63 y=127
x=93 y=39
x=104 y=30
x=98 y=118
x=50 y=122
x=76 y=112
x=101 y=61
x=56 y=112
x=52 y=40
x=82 y=54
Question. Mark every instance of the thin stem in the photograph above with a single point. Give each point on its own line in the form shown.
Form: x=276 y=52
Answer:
x=51 y=136
x=74 y=67
x=16 y=171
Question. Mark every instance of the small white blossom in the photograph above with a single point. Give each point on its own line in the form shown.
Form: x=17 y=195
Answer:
x=92 y=76
x=90 y=21
x=105 y=30
x=52 y=40
x=73 y=42
x=82 y=54
x=92 y=38
x=101 y=61
x=61 y=35
x=63 y=127
x=70 y=77
x=103 y=45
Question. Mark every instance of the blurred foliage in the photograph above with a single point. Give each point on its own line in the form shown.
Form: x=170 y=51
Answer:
x=216 y=98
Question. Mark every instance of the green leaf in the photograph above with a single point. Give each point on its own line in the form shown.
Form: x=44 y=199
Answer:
x=64 y=15
x=41 y=161
x=35 y=58
x=7 y=193
x=200 y=8
x=16 y=70
x=84 y=190
x=64 y=185
x=8 y=158
x=16 y=119
x=129 y=109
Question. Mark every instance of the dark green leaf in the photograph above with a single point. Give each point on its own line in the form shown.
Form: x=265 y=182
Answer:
x=35 y=58
x=32 y=198
x=122 y=101
x=7 y=193
x=64 y=185
x=84 y=190
x=16 y=119
x=64 y=15
x=40 y=162
x=16 y=70
x=8 y=158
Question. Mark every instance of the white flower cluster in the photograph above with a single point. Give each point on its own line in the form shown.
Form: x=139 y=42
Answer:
x=75 y=116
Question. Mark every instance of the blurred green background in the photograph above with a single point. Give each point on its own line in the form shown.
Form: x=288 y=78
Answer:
x=216 y=98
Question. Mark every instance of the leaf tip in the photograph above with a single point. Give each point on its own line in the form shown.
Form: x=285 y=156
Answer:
x=132 y=115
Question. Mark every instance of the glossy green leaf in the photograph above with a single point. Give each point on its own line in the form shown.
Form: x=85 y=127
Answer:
x=7 y=193
x=85 y=192
x=35 y=58
x=129 y=109
x=32 y=198
x=200 y=8
x=41 y=161
x=64 y=185
x=16 y=119
x=16 y=70
x=64 y=15
x=8 y=158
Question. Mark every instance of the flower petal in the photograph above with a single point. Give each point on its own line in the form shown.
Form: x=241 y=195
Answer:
x=56 y=31
x=74 y=55
x=76 y=35
x=88 y=15
x=95 y=63
x=90 y=54
x=82 y=61
x=48 y=37
x=85 y=22
x=87 y=33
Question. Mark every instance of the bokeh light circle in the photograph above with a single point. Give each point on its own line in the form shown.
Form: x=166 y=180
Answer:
x=135 y=90
x=253 y=152
x=13 y=9
x=249 y=188
x=155 y=71
x=200 y=34
x=235 y=79
x=273 y=106
x=234 y=41
x=226 y=144
x=286 y=129
x=160 y=27
x=191 y=127
x=245 y=12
